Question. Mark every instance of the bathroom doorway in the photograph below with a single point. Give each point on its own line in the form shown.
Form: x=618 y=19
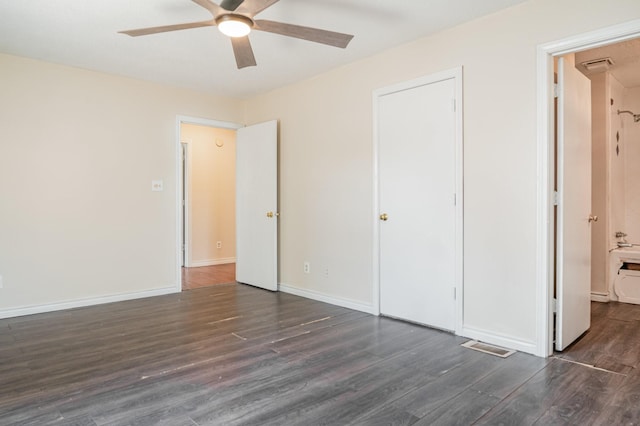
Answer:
x=614 y=76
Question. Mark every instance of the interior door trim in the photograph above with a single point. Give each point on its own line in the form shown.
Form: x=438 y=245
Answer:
x=455 y=74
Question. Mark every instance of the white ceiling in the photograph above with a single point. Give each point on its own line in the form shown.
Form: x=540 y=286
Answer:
x=83 y=33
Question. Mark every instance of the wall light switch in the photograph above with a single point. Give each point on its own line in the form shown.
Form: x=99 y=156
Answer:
x=157 y=185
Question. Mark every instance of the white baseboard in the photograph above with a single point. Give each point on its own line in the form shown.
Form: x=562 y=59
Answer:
x=321 y=297
x=39 y=309
x=600 y=297
x=505 y=341
x=212 y=262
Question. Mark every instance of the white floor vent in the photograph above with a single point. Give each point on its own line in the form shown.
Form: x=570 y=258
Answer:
x=488 y=349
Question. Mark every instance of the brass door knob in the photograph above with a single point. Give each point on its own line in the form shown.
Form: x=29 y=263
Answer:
x=384 y=217
x=593 y=218
x=269 y=214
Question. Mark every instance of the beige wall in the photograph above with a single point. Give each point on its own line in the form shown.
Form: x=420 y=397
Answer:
x=78 y=152
x=211 y=194
x=617 y=173
x=608 y=177
x=631 y=132
x=326 y=159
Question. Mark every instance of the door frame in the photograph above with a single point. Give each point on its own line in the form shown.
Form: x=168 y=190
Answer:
x=545 y=159
x=180 y=120
x=456 y=75
x=184 y=202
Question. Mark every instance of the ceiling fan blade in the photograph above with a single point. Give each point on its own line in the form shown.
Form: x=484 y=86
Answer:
x=243 y=52
x=253 y=7
x=231 y=5
x=210 y=6
x=167 y=28
x=306 y=33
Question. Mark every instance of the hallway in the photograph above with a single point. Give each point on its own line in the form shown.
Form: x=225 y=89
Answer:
x=205 y=276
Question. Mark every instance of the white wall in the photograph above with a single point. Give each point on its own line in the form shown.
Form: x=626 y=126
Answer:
x=631 y=132
x=326 y=159
x=212 y=185
x=78 y=152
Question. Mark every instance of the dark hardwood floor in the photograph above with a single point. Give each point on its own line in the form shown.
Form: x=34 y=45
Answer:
x=236 y=355
x=204 y=276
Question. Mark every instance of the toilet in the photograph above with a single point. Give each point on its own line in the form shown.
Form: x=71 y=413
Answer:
x=625 y=275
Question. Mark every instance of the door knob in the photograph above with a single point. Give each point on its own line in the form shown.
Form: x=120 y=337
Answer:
x=269 y=214
x=384 y=217
x=593 y=218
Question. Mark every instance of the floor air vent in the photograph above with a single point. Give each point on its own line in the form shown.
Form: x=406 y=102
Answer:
x=488 y=349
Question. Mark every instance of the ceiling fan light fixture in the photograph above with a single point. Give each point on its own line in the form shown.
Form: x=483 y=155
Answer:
x=233 y=25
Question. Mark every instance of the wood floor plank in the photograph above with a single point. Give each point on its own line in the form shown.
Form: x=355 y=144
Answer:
x=448 y=384
x=464 y=409
x=390 y=416
x=511 y=373
x=563 y=392
x=613 y=341
x=204 y=276
x=233 y=354
x=281 y=392
x=32 y=417
x=624 y=407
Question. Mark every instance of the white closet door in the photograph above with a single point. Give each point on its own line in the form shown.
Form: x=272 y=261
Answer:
x=417 y=184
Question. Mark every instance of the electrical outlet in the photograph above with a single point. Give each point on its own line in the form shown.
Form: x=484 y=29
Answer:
x=219 y=244
x=307 y=267
x=325 y=272
x=157 y=186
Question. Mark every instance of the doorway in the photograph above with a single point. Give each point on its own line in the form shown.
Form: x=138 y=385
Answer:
x=209 y=195
x=418 y=181
x=547 y=158
x=256 y=201
x=206 y=202
x=613 y=72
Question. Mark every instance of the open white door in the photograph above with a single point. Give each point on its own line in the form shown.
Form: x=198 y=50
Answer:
x=257 y=205
x=573 y=279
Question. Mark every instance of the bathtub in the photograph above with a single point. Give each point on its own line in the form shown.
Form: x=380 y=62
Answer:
x=624 y=275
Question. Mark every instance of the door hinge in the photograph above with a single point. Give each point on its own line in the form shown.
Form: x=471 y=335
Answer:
x=554 y=305
x=455 y=200
x=556 y=90
x=556 y=198
x=455 y=294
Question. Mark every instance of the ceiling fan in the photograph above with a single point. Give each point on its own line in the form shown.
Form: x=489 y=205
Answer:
x=235 y=18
